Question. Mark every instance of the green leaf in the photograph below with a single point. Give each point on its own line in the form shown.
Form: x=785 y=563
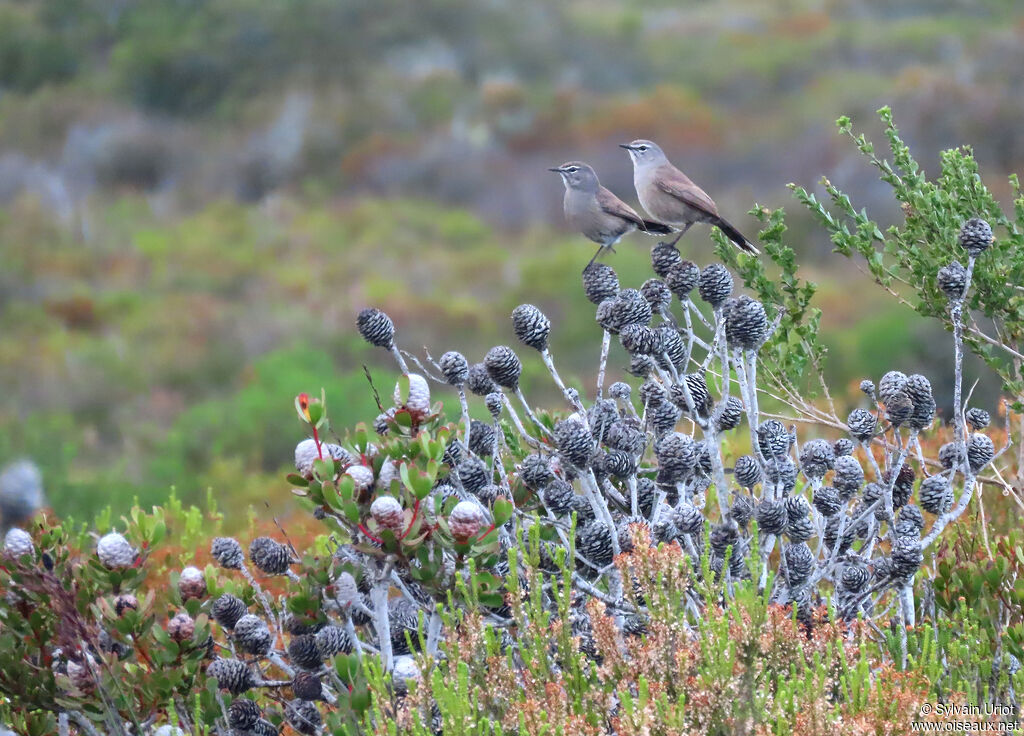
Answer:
x=502 y=511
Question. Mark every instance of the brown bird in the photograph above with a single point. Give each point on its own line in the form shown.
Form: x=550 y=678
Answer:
x=596 y=212
x=669 y=196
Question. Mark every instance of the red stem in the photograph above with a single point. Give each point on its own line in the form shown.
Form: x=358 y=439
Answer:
x=481 y=537
x=415 y=513
x=366 y=531
x=316 y=439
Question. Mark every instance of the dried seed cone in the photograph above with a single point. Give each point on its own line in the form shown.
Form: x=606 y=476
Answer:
x=909 y=521
x=376 y=327
x=827 y=501
x=898 y=409
x=454 y=367
x=903 y=487
x=125 y=602
x=906 y=556
x=181 y=627
x=771 y=517
x=495 y=403
x=640 y=340
x=600 y=282
x=332 y=640
x=861 y=424
x=849 y=476
x=627 y=308
x=742 y=508
x=976 y=236
x=243 y=714
x=535 y=472
x=671 y=348
x=304 y=652
x=465 y=520
x=816 y=458
x=854 y=577
x=303 y=716
x=404 y=616
x=980 y=451
x=574 y=442
x=417 y=401
x=387 y=511
x=479 y=380
x=935 y=495
x=892 y=383
x=252 y=635
x=473 y=474
x=952 y=279
x=620 y=391
x=114 y=551
x=715 y=284
x=18 y=543
x=677 y=457
x=657 y=294
x=269 y=556
x=362 y=477
x=231 y=675
x=977 y=418
x=730 y=414
x=481 y=437
x=306 y=454
x=191 y=583
x=919 y=389
x=843 y=446
x=800 y=529
x=227 y=552
x=503 y=366
x=306 y=686
x=559 y=497
x=227 y=609
x=799 y=563
x=773 y=438
x=595 y=543
x=746 y=324
x=949 y=455
x=531 y=326
x=747 y=471
x=687 y=519
x=663 y=258
x=682 y=278
x=627 y=437
x=781 y=473
x=699 y=392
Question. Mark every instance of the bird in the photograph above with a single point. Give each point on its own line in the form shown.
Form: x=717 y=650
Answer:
x=669 y=196
x=596 y=212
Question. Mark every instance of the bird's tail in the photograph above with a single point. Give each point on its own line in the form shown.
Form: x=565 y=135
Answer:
x=735 y=236
x=656 y=228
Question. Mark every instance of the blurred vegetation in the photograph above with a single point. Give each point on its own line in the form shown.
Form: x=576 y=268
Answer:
x=196 y=196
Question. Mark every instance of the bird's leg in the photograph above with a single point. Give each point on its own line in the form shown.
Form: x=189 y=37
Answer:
x=599 y=249
x=681 y=233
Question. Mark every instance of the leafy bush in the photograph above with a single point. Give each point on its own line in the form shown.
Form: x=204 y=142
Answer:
x=582 y=570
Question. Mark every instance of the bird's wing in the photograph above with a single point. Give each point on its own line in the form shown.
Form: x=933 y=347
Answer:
x=674 y=182
x=612 y=205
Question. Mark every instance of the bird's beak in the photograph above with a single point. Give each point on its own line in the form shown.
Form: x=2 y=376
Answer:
x=627 y=146
x=557 y=169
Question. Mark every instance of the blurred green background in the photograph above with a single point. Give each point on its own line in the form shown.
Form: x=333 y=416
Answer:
x=196 y=196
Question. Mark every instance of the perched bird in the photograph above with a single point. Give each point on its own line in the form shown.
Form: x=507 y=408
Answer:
x=669 y=196
x=596 y=212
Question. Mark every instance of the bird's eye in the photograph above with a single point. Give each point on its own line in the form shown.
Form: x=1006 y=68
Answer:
x=642 y=147
x=573 y=169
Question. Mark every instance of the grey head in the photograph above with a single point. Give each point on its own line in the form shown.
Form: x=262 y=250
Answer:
x=578 y=175
x=644 y=153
